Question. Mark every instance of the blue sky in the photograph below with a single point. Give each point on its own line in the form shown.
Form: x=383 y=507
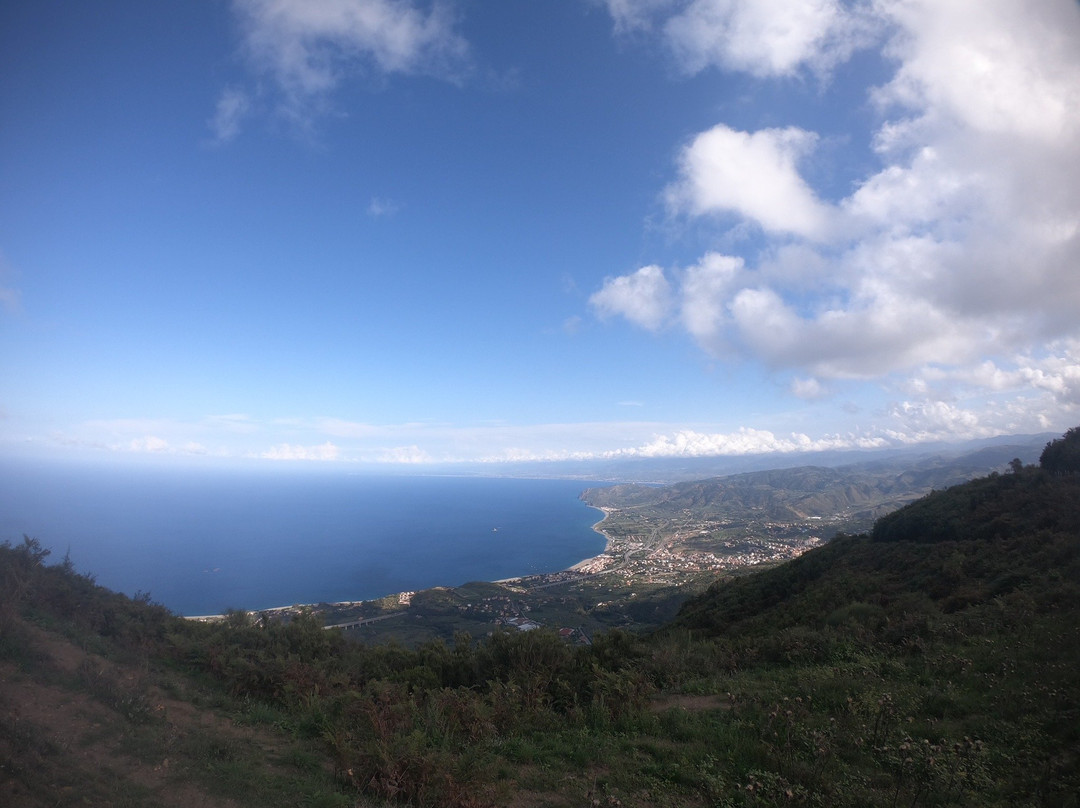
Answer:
x=383 y=231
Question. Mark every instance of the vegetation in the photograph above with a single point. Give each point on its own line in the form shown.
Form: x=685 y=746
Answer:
x=932 y=662
x=848 y=497
x=1062 y=456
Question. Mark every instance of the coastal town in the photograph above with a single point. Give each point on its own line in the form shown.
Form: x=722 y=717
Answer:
x=647 y=568
x=693 y=547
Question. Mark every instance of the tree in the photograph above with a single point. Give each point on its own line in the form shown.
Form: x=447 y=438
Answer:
x=1062 y=456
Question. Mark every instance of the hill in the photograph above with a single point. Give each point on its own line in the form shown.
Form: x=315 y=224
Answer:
x=853 y=494
x=932 y=662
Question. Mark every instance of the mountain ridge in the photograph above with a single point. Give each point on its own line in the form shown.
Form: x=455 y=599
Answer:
x=861 y=491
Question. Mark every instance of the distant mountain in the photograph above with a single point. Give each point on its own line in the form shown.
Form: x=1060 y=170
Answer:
x=666 y=470
x=855 y=492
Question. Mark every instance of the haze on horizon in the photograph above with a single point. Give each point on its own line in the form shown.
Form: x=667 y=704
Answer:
x=388 y=231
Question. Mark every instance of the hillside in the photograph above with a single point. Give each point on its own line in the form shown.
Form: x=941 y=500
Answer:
x=980 y=545
x=932 y=662
x=854 y=494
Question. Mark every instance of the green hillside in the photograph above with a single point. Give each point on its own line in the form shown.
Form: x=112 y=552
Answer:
x=983 y=544
x=932 y=662
x=854 y=494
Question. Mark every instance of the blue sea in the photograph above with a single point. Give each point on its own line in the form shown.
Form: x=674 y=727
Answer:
x=200 y=541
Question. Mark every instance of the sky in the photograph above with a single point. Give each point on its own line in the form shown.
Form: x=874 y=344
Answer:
x=390 y=231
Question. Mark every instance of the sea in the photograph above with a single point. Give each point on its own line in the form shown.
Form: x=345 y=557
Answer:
x=201 y=541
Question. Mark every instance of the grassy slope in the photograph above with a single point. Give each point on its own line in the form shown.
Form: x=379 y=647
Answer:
x=958 y=619
x=94 y=712
x=860 y=491
x=933 y=663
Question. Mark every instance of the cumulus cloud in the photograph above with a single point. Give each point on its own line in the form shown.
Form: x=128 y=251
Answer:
x=706 y=289
x=925 y=421
x=1052 y=379
x=763 y=37
x=404 y=454
x=745 y=441
x=308 y=48
x=148 y=444
x=751 y=174
x=643 y=298
x=288 y=451
x=1023 y=395
x=992 y=65
x=960 y=247
x=766 y=38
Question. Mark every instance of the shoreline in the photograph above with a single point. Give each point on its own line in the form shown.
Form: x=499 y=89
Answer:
x=581 y=567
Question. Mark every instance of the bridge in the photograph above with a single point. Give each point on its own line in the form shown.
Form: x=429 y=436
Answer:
x=363 y=622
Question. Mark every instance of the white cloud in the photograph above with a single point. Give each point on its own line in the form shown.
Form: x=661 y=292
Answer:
x=763 y=37
x=379 y=207
x=746 y=441
x=149 y=443
x=634 y=15
x=1052 y=378
x=991 y=65
x=159 y=435
x=935 y=421
x=288 y=451
x=872 y=332
x=706 y=289
x=960 y=249
x=572 y=324
x=1030 y=395
x=808 y=389
x=752 y=174
x=307 y=48
x=233 y=107
x=644 y=297
x=405 y=454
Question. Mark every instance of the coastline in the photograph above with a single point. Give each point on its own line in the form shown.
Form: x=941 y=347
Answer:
x=586 y=563
x=587 y=566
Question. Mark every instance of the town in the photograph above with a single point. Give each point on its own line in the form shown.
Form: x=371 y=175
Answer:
x=648 y=567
